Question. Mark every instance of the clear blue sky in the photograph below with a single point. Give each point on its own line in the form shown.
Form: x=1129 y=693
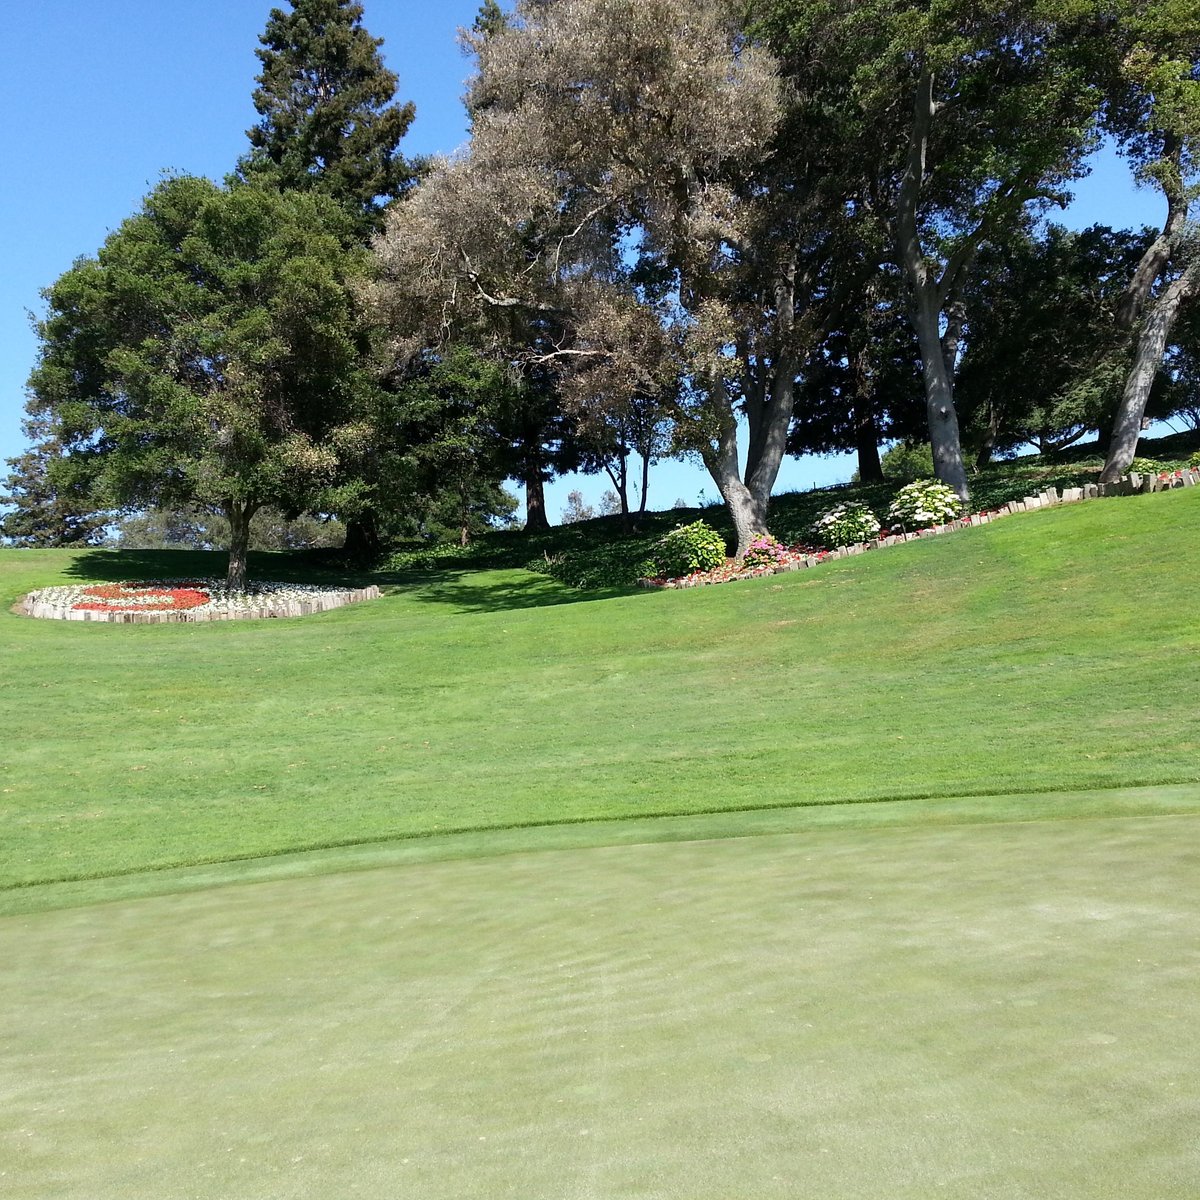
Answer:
x=101 y=97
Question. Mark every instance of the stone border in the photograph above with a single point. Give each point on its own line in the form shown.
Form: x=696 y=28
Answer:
x=269 y=607
x=1127 y=485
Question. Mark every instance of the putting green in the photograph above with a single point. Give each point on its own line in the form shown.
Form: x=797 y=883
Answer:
x=980 y=1011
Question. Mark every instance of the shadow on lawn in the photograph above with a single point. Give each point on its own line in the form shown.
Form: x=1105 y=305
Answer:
x=115 y=566
x=478 y=590
x=498 y=591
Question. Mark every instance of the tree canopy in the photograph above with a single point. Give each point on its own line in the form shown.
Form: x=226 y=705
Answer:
x=329 y=118
x=210 y=354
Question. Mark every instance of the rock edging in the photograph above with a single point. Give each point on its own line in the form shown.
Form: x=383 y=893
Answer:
x=258 y=608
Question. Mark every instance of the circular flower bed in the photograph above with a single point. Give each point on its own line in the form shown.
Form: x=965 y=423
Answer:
x=155 y=601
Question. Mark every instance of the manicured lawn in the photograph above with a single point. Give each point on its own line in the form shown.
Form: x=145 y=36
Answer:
x=1054 y=651
x=1004 y=1011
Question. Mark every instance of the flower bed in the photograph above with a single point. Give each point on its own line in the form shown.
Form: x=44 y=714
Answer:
x=156 y=601
x=798 y=556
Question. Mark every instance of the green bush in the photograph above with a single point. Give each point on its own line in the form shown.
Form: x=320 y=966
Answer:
x=845 y=525
x=924 y=503
x=611 y=565
x=688 y=548
x=1147 y=466
x=904 y=464
x=1194 y=461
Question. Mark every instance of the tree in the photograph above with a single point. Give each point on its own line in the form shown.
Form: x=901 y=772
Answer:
x=862 y=383
x=449 y=413
x=576 y=510
x=613 y=433
x=329 y=121
x=1045 y=352
x=981 y=109
x=45 y=511
x=604 y=203
x=1151 y=61
x=211 y=354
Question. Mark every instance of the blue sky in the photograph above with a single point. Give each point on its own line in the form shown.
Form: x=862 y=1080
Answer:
x=100 y=98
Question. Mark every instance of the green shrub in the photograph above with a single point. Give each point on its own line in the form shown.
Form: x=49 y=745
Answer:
x=611 y=565
x=688 y=548
x=904 y=464
x=924 y=503
x=845 y=525
x=1194 y=461
x=1147 y=467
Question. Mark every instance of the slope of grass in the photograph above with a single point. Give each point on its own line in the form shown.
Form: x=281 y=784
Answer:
x=1052 y=651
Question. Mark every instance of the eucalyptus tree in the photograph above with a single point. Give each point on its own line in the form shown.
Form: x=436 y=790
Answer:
x=211 y=354
x=977 y=109
x=1150 y=58
x=606 y=200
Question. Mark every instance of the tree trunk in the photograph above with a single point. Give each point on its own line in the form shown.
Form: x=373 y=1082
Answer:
x=749 y=514
x=928 y=296
x=363 y=541
x=939 y=400
x=762 y=468
x=620 y=481
x=536 y=520
x=1158 y=255
x=866 y=435
x=645 y=484
x=238 y=516
x=1152 y=342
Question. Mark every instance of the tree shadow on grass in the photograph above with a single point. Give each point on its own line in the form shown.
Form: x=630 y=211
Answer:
x=469 y=590
x=494 y=591
x=116 y=566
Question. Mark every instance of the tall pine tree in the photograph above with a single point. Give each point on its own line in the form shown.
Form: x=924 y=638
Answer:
x=330 y=122
x=329 y=117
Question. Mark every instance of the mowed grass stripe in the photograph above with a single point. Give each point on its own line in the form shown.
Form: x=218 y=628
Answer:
x=1052 y=651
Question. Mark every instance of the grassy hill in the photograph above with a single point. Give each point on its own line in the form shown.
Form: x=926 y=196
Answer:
x=923 y=921
x=1052 y=652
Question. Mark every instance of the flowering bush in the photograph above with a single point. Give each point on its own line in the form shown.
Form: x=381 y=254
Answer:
x=845 y=525
x=764 y=551
x=923 y=504
x=687 y=549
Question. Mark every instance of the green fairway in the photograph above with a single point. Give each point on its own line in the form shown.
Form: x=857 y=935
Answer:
x=1051 y=652
x=1001 y=1011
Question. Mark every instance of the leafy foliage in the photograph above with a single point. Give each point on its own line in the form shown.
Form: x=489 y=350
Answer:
x=329 y=122
x=924 y=503
x=846 y=524
x=688 y=548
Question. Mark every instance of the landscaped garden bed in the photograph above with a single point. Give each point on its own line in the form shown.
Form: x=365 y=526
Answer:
x=156 y=601
x=778 y=558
